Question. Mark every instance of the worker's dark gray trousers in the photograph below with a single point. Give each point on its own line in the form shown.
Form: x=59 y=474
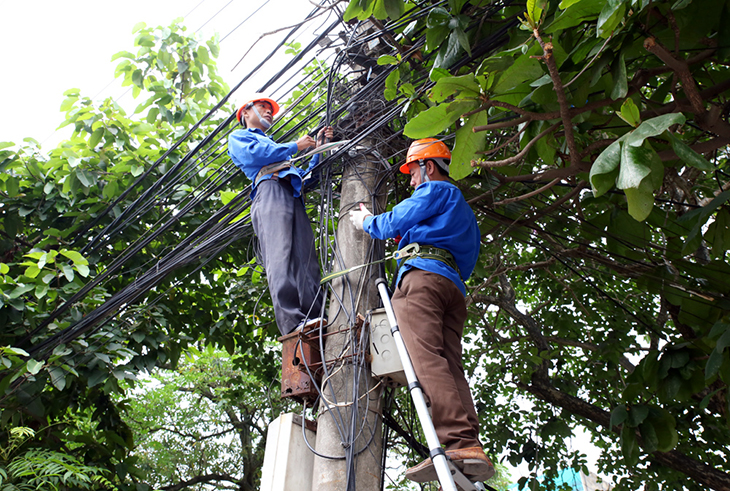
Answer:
x=287 y=250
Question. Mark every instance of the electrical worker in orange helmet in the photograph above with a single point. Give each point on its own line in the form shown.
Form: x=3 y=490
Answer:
x=429 y=300
x=277 y=213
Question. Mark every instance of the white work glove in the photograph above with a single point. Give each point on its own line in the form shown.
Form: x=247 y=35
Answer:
x=358 y=216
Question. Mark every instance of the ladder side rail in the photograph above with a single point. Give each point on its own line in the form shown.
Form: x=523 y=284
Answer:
x=438 y=456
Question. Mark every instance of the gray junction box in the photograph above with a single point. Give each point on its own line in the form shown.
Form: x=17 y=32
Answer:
x=386 y=362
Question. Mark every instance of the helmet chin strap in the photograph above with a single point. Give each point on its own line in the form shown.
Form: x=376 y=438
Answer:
x=424 y=176
x=263 y=122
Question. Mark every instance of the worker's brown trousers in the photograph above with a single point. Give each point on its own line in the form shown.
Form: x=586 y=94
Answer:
x=431 y=312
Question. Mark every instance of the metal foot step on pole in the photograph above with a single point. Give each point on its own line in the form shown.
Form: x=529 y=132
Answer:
x=450 y=477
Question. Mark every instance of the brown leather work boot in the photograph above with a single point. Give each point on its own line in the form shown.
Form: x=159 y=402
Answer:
x=471 y=461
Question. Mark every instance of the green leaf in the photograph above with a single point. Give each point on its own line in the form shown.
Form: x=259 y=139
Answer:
x=124 y=54
x=665 y=428
x=4 y=268
x=630 y=113
x=387 y=60
x=609 y=18
x=467 y=145
x=436 y=119
x=110 y=190
x=438 y=17
x=138 y=27
x=352 y=11
x=20 y=290
x=32 y=271
x=10 y=350
x=96 y=137
x=723 y=342
x=394 y=8
x=142 y=128
x=649 y=437
x=58 y=377
x=567 y=3
x=700 y=216
x=448 y=54
x=575 y=13
x=391 y=85
x=637 y=414
x=202 y=53
x=435 y=36
x=689 y=156
x=635 y=166
x=605 y=169
x=534 y=10
x=629 y=446
x=524 y=69
x=618 y=415
x=12 y=187
x=640 y=200
x=34 y=366
x=718 y=233
x=718 y=329
x=68 y=271
x=463 y=40
x=465 y=85
x=137 y=78
x=74 y=256
x=714 y=362
x=227 y=196
x=620 y=82
x=652 y=127
x=146 y=41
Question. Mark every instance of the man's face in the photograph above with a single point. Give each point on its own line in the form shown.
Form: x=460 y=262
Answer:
x=415 y=170
x=264 y=109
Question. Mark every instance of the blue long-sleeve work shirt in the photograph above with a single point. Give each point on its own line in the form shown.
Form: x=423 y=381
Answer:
x=251 y=149
x=436 y=215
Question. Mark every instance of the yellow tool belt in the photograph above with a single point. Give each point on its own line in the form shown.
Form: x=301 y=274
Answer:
x=414 y=250
x=271 y=169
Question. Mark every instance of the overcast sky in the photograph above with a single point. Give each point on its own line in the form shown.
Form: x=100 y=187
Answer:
x=52 y=46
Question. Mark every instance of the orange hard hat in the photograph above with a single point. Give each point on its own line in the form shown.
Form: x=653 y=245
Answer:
x=426 y=148
x=254 y=99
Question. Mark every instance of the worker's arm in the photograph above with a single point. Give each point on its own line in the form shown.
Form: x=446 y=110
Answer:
x=421 y=206
x=325 y=134
x=250 y=151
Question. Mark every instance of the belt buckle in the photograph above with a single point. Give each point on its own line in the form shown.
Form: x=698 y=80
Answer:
x=409 y=250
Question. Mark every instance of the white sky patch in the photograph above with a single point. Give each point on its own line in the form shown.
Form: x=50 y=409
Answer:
x=54 y=46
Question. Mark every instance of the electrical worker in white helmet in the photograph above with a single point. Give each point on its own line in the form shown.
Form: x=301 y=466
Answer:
x=429 y=300
x=277 y=213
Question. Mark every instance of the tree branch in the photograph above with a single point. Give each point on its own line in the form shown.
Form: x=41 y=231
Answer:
x=517 y=157
x=200 y=479
x=527 y=195
x=700 y=472
x=562 y=100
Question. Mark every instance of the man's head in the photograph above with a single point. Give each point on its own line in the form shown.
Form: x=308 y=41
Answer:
x=258 y=112
x=427 y=160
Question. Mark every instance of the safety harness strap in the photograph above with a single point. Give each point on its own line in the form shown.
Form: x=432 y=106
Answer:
x=407 y=253
x=414 y=250
x=271 y=169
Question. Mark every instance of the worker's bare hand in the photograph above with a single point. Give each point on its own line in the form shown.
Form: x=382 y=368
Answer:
x=324 y=135
x=305 y=142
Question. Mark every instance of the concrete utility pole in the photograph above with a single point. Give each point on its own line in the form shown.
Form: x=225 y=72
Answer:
x=358 y=182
